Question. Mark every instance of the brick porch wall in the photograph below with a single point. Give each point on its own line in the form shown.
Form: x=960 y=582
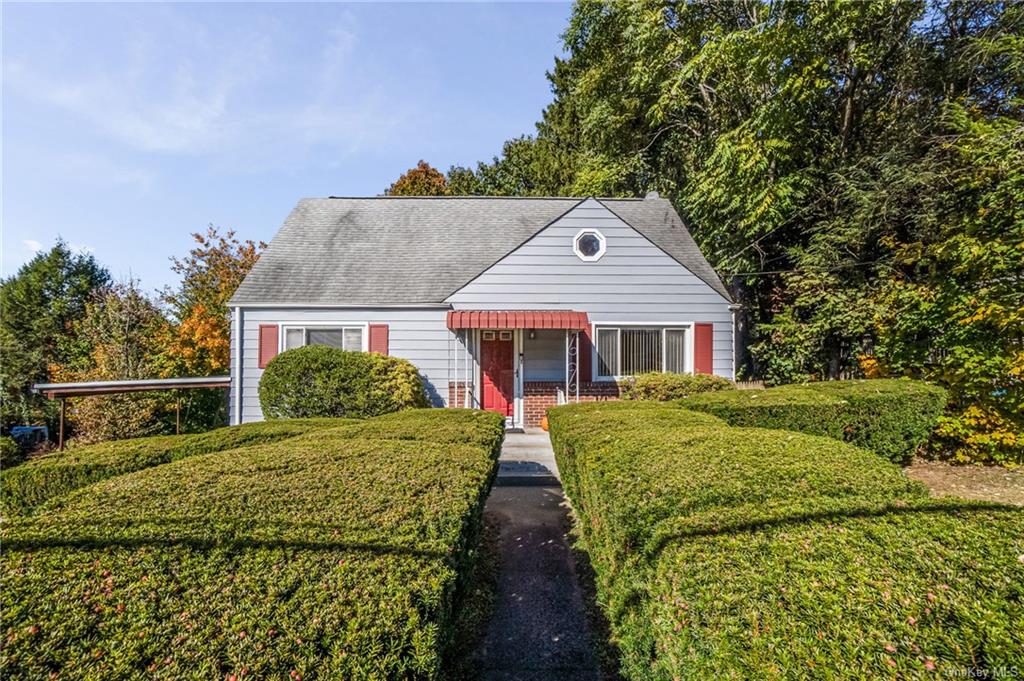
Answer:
x=539 y=396
x=456 y=391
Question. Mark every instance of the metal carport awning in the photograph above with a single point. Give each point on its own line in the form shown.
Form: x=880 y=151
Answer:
x=518 y=319
x=62 y=391
x=91 y=388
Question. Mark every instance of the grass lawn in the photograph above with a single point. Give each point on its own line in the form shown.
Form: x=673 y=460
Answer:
x=336 y=554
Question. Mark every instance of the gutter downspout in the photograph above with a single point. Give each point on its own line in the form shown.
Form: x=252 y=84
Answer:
x=236 y=377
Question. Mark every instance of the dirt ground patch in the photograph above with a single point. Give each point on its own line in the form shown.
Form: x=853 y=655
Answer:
x=984 y=483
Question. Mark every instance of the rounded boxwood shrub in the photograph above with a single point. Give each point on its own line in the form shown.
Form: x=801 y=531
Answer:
x=663 y=387
x=318 y=381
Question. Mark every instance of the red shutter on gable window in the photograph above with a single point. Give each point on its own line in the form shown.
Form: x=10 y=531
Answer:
x=586 y=355
x=379 y=338
x=268 y=343
x=703 y=340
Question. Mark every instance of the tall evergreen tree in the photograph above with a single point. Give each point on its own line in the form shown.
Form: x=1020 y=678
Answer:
x=38 y=307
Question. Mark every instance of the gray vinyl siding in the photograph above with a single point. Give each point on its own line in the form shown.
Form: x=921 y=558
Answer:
x=635 y=281
x=419 y=335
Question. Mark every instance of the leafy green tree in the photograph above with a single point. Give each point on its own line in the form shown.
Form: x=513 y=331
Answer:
x=126 y=334
x=526 y=167
x=742 y=112
x=200 y=338
x=462 y=182
x=845 y=166
x=38 y=307
x=955 y=311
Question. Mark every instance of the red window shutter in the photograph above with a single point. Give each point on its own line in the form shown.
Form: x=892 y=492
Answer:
x=268 y=343
x=586 y=356
x=379 y=338
x=703 y=340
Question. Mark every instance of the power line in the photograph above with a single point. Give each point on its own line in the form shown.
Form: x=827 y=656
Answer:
x=801 y=270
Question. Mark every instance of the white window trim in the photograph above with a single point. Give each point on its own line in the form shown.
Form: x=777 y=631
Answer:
x=282 y=328
x=687 y=352
x=600 y=251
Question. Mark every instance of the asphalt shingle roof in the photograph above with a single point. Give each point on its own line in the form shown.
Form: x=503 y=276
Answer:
x=398 y=250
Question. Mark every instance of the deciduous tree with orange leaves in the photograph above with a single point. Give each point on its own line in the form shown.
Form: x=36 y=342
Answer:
x=200 y=340
x=423 y=180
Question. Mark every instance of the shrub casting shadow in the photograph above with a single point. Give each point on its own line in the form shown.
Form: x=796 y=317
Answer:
x=800 y=518
x=210 y=544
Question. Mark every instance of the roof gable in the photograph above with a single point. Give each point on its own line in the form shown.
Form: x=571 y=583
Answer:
x=544 y=271
x=405 y=250
x=657 y=220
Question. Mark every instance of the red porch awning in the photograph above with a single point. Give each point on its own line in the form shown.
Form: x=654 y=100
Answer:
x=518 y=319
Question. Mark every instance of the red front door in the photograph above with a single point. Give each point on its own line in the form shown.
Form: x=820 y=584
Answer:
x=498 y=376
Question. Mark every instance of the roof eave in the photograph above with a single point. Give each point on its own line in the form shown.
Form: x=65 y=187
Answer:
x=725 y=290
x=340 y=306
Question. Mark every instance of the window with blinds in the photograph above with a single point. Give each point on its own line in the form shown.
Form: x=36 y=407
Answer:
x=608 y=352
x=627 y=351
x=344 y=337
x=675 y=351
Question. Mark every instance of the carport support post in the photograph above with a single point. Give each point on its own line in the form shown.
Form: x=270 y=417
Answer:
x=63 y=410
x=177 y=412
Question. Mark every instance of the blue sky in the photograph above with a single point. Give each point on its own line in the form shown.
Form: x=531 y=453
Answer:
x=126 y=127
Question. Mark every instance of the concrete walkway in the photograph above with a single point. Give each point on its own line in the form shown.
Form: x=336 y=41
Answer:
x=527 y=459
x=539 y=630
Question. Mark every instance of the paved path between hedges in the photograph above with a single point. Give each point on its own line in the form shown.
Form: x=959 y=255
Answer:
x=539 y=629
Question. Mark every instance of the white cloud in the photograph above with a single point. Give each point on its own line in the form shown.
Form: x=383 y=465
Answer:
x=334 y=57
x=241 y=98
x=186 y=117
x=81 y=248
x=32 y=245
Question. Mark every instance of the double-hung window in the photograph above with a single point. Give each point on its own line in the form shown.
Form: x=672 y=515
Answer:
x=631 y=350
x=344 y=337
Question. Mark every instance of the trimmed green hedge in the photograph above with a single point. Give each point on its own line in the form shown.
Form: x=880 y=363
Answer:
x=680 y=462
x=890 y=417
x=39 y=479
x=322 y=556
x=924 y=591
x=10 y=452
x=321 y=381
x=663 y=387
x=464 y=426
x=756 y=553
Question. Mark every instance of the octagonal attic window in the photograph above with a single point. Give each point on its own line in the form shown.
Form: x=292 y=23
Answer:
x=589 y=245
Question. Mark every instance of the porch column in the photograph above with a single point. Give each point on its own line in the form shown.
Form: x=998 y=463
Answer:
x=572 y=365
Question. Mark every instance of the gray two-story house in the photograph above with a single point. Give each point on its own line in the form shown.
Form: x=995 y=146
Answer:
x=506 y=304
